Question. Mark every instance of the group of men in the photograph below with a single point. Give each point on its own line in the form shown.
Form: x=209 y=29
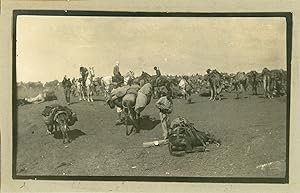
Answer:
x=164 y=104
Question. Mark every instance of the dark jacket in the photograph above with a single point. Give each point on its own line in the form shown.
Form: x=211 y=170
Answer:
x=116 y=71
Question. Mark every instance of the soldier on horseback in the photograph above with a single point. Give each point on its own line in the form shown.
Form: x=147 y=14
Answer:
x=117 y=77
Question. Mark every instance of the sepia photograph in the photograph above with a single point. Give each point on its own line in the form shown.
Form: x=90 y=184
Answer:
x=151 y=97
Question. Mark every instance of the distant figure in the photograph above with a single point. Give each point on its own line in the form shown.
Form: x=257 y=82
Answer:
x=165 y=106
x=73 y=80
x=158 y=75
x=67 y=85
x=186 y=88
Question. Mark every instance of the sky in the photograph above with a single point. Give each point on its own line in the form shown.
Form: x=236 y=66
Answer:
x=49 y=47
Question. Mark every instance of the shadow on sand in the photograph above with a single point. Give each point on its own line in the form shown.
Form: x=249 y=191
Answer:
x=190 y=103
x=103 y=100
x=204 y=94
x=147 y=123
x=75 y=102
x=241 y=97
x=73 y=134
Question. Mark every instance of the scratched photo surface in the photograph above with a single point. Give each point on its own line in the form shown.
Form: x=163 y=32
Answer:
x=88 y=96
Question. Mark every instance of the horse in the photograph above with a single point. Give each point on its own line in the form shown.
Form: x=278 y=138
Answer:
x=80 y=89
x=128 y=77
x=90 y=84
x=74 y=87
x=141 y=80
x=158 y=86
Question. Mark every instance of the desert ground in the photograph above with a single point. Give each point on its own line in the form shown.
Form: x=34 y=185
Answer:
x=252 y=131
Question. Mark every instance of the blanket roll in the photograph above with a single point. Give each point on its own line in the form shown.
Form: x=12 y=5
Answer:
x=143 y=97
x=119 y=92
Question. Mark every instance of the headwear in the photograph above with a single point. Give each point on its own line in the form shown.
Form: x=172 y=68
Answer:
x=117 y=63
x=155 y=67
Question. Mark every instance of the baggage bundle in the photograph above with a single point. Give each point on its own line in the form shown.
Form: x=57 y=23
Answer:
x=143 y=97
x=122 y=91
x=50 y=113
x=185 y=138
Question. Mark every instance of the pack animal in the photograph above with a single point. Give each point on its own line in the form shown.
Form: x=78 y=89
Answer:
x=239 y=83
x=59 y=118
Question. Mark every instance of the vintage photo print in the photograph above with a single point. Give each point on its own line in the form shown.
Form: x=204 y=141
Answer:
x=151 y=96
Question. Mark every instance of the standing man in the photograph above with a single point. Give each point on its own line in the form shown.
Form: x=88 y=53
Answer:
x=188 y=89
x=165 y=106
x=66 y=83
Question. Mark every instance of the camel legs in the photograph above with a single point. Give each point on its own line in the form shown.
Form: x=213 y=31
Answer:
x=82 y=94
x=214 y=92
x=237 y=89
x=211 y=93
x=89 y=95
x=64 y=130
x=254 y=89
